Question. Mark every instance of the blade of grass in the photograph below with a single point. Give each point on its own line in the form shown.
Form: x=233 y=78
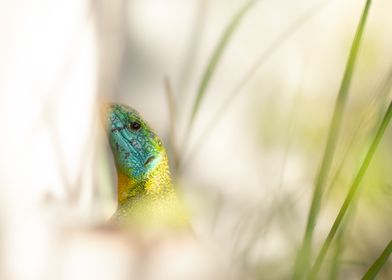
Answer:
x=379 y=263
x=191 y=53
x=376 y=104
x=337 y=257
x=303 y=257
x=213 y=62
x=336 y=260
x=172 y=107
x=351 y=194
x=263 y=58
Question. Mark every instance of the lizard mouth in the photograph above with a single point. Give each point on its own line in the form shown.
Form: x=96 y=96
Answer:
x=149 y=160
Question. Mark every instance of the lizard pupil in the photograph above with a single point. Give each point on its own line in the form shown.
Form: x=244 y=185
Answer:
x=134 y=125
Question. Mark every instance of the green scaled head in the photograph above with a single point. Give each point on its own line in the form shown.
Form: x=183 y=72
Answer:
x=136 y=148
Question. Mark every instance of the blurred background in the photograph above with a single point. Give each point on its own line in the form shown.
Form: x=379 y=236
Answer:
x=245 y=166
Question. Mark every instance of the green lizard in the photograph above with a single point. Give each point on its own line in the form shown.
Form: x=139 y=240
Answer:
x=146 y=197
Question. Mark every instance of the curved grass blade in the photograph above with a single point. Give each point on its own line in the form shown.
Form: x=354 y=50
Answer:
x=263 y=58
x=379 y=263
x=380 y=98
x=193 y=45
x=303 y=257
x=352 y=192
x=336 y=260
x=337 y=257
x=213 y=62
x=377 y=103
x=172 y=108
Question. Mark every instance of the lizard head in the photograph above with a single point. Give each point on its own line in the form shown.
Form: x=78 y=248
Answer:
x=145 y=192
x=136 y=148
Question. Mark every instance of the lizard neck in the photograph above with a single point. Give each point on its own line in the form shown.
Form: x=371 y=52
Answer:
x=155 y=185
x=151 y=200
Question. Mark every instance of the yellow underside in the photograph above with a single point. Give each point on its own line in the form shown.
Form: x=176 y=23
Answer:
x=155 y=205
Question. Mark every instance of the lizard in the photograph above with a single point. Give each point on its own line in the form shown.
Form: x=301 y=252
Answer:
x=145 y=193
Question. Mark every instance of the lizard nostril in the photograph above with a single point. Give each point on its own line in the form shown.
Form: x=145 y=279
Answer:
x=150 y=159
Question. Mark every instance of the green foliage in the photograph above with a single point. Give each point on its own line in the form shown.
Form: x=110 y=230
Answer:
x=214 y=61
x=303 y=268
x=352 y=192
x=379 y=263
x=304 y=254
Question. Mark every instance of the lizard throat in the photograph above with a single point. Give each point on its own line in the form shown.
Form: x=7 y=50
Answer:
x=155 y=185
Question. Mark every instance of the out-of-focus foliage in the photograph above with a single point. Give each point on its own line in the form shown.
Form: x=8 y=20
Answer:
x=248 y=170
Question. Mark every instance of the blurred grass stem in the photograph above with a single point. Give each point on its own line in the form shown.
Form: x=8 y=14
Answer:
x=351 y=194
x=213 y=63
x=263 y=58
x=304 y=255
x=379 y=263
x=172 y=108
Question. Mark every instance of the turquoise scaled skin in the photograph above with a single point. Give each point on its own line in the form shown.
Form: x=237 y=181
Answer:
x=135 y=146
x=145 y=193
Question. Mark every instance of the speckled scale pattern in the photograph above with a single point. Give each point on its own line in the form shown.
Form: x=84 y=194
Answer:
x=146 y=196
x=131 y=148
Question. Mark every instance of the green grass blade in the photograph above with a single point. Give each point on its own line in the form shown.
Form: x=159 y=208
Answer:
x=213 y=62
x=379 y=263
x=262 y=59
x=303 y=258
x=337 y=257
x=172 y=108
x=193 y=46
x=377 y=103
x=351 y=194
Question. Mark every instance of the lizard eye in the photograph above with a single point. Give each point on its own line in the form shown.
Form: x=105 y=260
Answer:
x=134 y=125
